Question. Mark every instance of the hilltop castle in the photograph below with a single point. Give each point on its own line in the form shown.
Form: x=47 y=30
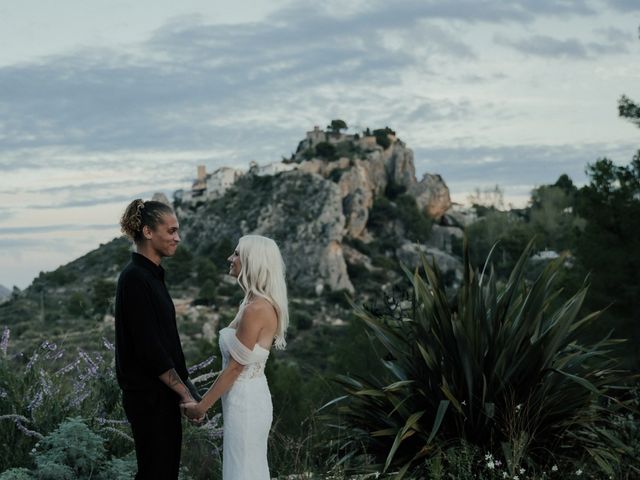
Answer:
x=209 y=186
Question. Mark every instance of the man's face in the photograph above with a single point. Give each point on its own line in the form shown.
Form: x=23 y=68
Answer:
x=165 y=238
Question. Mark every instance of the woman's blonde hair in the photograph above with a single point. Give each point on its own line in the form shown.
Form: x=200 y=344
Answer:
x=262 y=274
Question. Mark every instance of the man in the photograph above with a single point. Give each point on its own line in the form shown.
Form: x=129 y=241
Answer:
x=150 y=364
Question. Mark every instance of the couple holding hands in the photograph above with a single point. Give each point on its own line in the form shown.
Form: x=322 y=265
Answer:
x=150 y=364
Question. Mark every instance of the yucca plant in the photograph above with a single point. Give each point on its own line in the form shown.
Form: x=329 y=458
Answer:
x=500 y=367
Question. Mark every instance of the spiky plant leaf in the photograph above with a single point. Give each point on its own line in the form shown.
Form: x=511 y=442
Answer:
x=500 y=367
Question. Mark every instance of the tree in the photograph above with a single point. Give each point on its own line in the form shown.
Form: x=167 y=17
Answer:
x=337 y=125
x=629 y=110
x=609 y=247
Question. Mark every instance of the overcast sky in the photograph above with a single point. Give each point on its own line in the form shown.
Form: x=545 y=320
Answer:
x=105 y=101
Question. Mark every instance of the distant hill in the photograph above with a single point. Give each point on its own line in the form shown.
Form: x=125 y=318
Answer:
x=5 y=293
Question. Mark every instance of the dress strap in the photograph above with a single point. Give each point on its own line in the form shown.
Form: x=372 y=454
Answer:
x=240 y=352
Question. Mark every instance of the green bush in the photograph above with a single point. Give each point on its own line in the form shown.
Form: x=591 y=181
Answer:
x=501 y=369
x=326 y=150
x=78 y=305
x=70 y=451
x=103 y=297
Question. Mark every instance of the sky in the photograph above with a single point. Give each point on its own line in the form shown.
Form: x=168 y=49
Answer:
x=105 y=101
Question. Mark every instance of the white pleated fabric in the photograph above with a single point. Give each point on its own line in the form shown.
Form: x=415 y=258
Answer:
x=241 y=353
x=247 y=412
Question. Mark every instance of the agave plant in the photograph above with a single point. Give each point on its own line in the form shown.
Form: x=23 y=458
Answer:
x=500 y=367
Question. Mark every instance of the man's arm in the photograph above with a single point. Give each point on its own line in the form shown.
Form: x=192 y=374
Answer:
x=193 y=390
x=172 y=380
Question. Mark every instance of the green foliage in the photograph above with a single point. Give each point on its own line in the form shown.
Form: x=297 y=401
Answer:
x=78 y=305
x=386 y=214
x=552 y=216
x=301 y=319
x=219 y=251
x=416 y=223
x=59 y=277
x=16 y=474
x=629 y=109
x=72 y=445
x=205 y=270
x=326 y=150
x=393 y=190
x=609 y=244
x=180 y=266
x=103 y=296
x=509 y=233
x=336 y=125
x=207 y=294
x=500 y=369
x=382 y=137
x=339 y=298
x=308 y=154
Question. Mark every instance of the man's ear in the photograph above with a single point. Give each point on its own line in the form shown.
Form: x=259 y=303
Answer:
x=146 y=231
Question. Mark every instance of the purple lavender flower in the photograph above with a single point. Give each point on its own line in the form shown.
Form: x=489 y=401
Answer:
x=32 y=361
x=202 y=365
x=35 y=402
x=107 y=344
x=4 y=343
x=92 y=368
x=67 y=368
x=47 y=345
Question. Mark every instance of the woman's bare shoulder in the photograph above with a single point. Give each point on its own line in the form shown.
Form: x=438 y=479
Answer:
x=259 y=311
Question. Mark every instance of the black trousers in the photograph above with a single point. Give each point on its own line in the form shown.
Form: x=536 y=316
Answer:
x=156 y=423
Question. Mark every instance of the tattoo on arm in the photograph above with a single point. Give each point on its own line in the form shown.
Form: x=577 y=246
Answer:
x=174 y=378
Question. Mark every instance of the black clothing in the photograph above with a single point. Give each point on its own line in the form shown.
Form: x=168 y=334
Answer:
x=147 y=341
x=147 y=345
x=156 y=423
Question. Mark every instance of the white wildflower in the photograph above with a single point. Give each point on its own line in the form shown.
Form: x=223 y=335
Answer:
x=554 y=468
x=491 y=465
x=522 y=470
x=578 y=472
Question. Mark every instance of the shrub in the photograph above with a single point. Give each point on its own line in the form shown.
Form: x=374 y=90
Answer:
x=499 y=369
x=326 y=150
x=104 y=292
x=71 y=448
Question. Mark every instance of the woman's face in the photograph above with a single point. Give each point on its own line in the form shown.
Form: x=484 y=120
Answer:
x=234 y=263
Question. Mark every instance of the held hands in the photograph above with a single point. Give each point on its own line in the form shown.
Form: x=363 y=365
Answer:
x=194 y=411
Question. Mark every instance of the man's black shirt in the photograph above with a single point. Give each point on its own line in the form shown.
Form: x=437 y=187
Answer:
x=147 y=340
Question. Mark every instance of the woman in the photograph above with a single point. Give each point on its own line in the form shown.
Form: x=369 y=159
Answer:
x=260 y=322
x=150 y=365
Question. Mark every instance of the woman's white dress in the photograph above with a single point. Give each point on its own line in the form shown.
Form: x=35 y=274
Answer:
x=247 y=412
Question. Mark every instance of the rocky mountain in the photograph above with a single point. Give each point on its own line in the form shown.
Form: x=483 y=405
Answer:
x=320 y=204
x=346 y=210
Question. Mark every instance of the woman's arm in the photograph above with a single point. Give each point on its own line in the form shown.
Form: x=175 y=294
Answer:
x=248 y=333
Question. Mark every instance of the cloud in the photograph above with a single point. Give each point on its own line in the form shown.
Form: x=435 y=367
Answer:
x=54 y=228
x=568 y=48
x=624 y=5
x=508 y=165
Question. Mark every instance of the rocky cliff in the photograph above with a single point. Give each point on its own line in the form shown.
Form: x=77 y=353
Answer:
x=314 y=208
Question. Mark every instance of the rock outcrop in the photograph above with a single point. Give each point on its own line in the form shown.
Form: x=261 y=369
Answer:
x=301 y=211
x=310 y=209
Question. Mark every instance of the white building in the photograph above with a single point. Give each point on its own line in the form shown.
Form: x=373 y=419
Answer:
x=219 y=181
